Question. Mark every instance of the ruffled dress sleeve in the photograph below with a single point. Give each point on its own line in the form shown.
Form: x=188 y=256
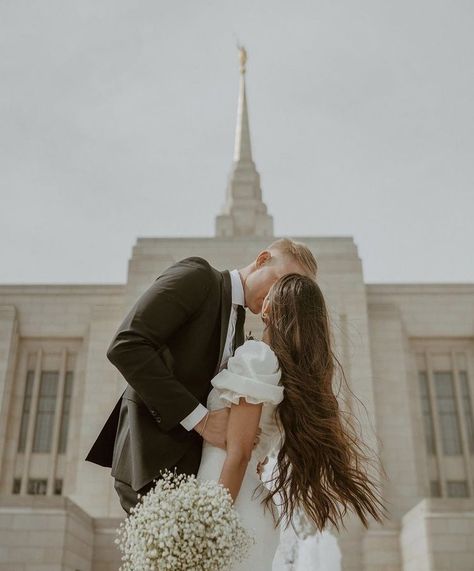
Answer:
x=252 y=373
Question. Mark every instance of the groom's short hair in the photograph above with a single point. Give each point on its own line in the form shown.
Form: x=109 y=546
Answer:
x=299 y=252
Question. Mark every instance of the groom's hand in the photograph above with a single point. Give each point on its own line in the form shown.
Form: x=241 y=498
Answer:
x=213 y=428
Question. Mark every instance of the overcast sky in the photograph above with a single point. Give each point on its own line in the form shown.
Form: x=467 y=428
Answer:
x=117 y=121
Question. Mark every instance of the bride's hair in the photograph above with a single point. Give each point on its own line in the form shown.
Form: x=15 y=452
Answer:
x=322 y=465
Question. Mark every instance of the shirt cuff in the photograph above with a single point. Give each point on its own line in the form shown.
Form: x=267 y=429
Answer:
x=190 y=421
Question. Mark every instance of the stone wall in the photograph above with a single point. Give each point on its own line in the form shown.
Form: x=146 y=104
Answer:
x=39 y=533
x=438 y=535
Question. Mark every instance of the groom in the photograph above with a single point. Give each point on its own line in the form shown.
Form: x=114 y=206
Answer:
x=173 y=341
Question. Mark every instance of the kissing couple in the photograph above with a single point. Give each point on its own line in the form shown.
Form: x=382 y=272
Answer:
x=203 y=400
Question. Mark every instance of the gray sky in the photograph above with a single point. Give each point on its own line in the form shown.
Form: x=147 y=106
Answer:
x=117 y=121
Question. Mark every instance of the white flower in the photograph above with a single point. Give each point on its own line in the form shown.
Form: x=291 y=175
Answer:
x=183 y=524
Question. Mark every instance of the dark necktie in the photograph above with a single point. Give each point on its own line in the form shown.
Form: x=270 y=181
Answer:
x=239 y=327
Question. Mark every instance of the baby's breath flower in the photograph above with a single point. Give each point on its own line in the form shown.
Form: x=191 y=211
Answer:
x=183 y=523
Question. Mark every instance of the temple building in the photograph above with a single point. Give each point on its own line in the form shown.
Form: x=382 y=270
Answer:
x=407 y=351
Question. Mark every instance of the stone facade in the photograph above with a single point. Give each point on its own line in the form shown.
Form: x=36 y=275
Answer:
x=407 y=352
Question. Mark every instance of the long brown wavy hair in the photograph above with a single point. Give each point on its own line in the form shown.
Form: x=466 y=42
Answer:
x=322 y=465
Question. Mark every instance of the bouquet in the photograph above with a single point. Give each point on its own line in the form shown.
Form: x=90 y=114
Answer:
x=182 y=524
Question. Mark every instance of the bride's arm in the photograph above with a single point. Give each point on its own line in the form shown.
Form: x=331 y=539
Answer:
x=242 y=429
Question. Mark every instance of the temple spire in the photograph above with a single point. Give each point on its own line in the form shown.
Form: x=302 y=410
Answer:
x=244 y=213
x=243 y=149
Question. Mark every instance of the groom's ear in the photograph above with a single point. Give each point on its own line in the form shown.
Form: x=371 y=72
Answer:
x=263 y=258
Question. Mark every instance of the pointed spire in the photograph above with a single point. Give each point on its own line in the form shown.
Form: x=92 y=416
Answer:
x=243 y=149
x=244 y=213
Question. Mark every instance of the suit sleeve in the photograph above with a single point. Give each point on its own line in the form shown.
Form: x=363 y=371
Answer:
x=138 y=346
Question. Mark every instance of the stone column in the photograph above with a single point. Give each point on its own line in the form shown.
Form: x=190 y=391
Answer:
x=393 y=383
x=8 y=353
x=101 y=385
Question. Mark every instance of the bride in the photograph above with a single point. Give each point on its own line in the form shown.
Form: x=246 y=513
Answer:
x=282 y=385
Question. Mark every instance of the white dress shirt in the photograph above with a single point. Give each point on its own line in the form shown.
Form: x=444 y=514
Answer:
x=238 y=298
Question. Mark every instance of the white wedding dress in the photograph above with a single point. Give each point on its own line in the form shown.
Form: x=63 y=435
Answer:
x=253 y=373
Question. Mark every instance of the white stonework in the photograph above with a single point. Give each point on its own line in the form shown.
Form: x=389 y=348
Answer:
x=244 y=212
x=438 y=536
x=384 y=334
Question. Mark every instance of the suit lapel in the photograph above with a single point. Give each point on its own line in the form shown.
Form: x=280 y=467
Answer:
x=226 y=303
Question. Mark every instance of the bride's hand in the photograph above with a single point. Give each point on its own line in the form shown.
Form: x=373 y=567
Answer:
x=213 y=428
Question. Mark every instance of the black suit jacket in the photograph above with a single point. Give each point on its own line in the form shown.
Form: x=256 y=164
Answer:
x=168 y=349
